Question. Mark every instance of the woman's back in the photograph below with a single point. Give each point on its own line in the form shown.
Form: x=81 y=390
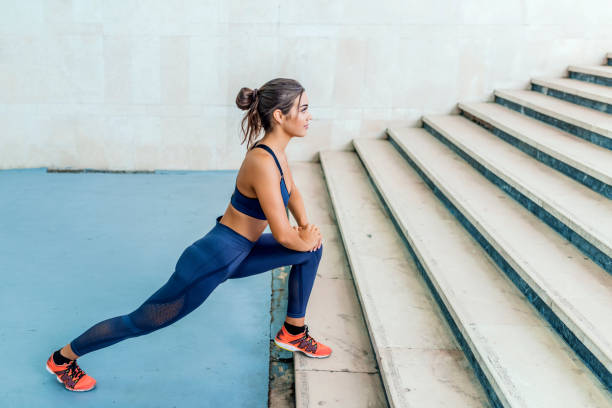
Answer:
x=251 y=205
x=244 y=213
x=264 y=183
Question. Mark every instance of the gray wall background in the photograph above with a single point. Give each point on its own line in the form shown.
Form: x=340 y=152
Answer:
x=150 y=84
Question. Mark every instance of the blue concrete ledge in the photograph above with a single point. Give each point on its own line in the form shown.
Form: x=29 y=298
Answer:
x=578 y=100
x=76 y=248
x=583 y=178
x=482 y=378
x=590 y=78
x=568 y=336
x=585 y=134
x=282 y=379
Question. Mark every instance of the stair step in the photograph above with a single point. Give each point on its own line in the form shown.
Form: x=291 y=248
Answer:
x=600 y=74
x=520 y=357
x=419 y=360
x=575 y=157
x=338 y=389
x=594 y=96
x=573 y=292
x=581 y=215
x=598 y=70
x=335 y=315
x=583 y=122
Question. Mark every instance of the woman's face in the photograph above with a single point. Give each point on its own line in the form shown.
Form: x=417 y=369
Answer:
x=297 y=120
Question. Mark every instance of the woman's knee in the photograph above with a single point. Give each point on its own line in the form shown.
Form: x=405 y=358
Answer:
x=319 y=251
x=314 y=256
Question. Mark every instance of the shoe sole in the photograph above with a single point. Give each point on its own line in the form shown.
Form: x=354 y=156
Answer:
x=61 y=382
x=289 y=347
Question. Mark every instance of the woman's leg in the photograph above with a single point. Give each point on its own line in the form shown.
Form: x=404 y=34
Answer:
x=268 y=254
x=152 y=315
x=199 y=271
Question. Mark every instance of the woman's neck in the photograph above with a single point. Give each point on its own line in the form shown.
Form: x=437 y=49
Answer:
x=277 y=140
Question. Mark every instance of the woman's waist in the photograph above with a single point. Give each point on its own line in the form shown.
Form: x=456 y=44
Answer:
x=249 y=227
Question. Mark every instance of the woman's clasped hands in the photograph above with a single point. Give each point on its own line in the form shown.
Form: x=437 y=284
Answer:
x=310 y=233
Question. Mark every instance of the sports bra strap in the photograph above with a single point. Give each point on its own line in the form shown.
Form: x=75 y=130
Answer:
x=263 y=146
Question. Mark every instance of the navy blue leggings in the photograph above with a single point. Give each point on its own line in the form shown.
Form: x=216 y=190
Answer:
x=220 y=255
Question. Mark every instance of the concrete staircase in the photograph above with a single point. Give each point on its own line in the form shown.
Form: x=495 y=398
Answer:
x=350 y=377
x=480 y=247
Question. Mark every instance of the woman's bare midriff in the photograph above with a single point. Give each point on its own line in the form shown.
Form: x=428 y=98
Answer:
x=249 y=227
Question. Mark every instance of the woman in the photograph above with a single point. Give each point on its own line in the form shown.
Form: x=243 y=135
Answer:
x=236 y=246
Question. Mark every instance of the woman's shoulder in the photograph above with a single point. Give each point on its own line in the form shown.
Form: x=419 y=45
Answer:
x=258 y=161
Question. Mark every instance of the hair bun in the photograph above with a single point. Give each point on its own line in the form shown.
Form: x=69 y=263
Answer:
x=280 y=93
x=245 y=98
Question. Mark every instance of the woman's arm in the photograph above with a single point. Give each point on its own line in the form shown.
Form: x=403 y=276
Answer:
x=296 y=206
x=266 y=186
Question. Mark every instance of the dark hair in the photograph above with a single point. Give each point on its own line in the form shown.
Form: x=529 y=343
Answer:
x=259 y=103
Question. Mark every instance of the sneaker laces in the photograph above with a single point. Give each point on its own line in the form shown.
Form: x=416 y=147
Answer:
x=307 y=338
x=74 y=371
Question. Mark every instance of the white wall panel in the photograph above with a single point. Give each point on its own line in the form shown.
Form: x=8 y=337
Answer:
x=151 y=84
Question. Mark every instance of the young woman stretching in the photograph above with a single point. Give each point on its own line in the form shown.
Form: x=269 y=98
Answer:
x=236 y=246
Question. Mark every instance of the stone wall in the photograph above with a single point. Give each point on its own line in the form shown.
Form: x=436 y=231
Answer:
x=150 y=84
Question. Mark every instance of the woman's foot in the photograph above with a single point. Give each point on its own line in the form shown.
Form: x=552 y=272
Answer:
x=301 y=342
x=71 y=375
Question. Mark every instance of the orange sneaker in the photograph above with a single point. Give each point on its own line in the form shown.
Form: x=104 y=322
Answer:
x=71 y=375
x=301 y=342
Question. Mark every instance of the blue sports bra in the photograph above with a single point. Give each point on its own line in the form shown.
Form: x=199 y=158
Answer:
x=250 y=206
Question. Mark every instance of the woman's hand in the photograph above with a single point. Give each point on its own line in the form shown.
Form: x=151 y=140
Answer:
x=319 y=238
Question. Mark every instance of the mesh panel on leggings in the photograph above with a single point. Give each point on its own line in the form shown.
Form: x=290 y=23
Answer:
x=151 y=316
x=105 y=332
x=301 y=280
x=148 y=317
x=295 y=292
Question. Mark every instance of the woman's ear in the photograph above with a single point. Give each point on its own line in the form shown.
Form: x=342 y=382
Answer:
x=278 y=116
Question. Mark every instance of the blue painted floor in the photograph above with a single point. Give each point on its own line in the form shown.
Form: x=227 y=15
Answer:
x=79 y=248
